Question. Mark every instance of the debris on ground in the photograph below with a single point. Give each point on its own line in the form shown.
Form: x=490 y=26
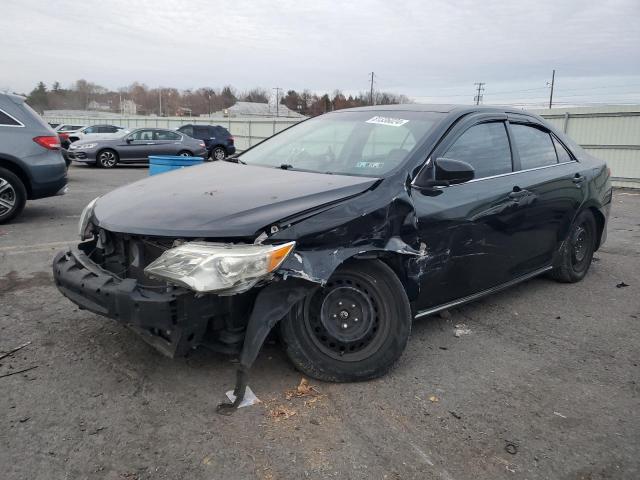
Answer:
x=433 y=399
x=11 y=352
x=304 y=389
x=455 y=415
x=559 y=414
x=249 y=398
x=17 y=372
x=281 y=412
x=445 y=314
x=511 y=448
x=461 y=329
x=96 y=430
x=24 y=419
x=622 y=285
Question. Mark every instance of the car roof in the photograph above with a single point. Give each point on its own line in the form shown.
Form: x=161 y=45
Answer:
x=436 y=108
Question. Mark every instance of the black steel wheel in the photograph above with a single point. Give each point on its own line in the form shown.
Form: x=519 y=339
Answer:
x=354 y=328
x=577 y=252
x=107 y=158
x=13 y=195
x=218 y=153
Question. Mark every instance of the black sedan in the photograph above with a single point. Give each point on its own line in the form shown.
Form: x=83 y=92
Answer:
x=135 y=147
x=341 y=231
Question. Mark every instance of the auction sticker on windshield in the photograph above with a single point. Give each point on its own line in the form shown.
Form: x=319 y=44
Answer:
x=391 y=122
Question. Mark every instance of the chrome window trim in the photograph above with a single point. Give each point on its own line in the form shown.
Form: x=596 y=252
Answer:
x=516 y=171
x=20 y=124
x=501 y=174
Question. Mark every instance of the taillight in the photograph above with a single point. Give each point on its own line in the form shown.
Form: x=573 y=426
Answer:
x=231 y=139
x=63 y=136
x=49 y=142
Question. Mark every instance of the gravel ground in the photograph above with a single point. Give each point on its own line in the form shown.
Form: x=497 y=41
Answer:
x=545 y=385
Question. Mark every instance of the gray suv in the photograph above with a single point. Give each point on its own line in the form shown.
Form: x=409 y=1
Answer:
x=31 y=165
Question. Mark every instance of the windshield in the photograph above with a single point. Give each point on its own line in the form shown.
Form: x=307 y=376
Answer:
x=365 y=143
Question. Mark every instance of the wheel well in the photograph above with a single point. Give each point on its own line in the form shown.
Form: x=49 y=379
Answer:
x=185 y=150
x=397 y=263
x=597 y=214
x=104 y=150
x=18 y=172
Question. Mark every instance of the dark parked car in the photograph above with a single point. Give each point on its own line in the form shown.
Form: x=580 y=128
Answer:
x=135 y=147
x=342 y=230
x=31 y=165
x=219 y=141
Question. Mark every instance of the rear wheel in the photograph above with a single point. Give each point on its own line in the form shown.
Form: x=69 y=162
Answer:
x=354 y=328
x=577 y=251
x=13 y=195
x=185 y=153
x=107 y=159
x=218 y=153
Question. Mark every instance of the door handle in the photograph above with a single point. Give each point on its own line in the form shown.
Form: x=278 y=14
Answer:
x=517 y=194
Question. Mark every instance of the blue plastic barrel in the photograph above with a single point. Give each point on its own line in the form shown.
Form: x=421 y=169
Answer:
x=166 y=163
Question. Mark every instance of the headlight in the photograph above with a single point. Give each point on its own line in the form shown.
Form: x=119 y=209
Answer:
x=84 y=146
x=214 y=267
x=83 y=225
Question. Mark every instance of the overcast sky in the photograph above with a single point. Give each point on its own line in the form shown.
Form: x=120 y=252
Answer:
x=428 y=50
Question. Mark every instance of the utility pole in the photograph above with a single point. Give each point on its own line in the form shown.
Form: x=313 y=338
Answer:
x=277 y=89
x=479 y=90
x=371 y=91
x=553 y=81
x=159 y=102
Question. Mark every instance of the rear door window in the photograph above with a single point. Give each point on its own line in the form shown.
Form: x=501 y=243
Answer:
x=534 y=146
x=485 y=147
x=201 y=133
x=166 y=135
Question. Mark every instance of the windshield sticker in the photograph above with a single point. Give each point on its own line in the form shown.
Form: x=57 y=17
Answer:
x=391 y=122
x=370 y=165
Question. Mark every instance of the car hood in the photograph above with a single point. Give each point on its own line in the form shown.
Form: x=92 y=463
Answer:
x=220 y=199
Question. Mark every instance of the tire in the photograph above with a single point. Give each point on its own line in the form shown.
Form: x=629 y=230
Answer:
x=354 y=328
x=185 y=153
x=13 y=195
x=107 y=158
x=577 y=252
x=218 y=153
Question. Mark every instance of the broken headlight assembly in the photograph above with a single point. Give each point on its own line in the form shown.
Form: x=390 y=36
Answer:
x=84 y=228
x=216 y=267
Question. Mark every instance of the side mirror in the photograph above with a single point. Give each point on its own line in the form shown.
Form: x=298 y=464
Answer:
x=453 y=171
x=128 y=140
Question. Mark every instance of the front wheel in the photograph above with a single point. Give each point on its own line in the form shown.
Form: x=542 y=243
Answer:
x=577 y=251
x=354 y=328
x=13 y=195
x=107 y=159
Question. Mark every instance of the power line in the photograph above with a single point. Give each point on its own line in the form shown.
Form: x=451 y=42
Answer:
x=480 y=89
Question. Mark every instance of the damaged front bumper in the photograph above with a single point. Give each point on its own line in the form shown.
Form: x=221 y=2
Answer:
x=173 y=320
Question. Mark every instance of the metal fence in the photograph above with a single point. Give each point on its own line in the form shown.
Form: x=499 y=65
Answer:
x=246 y=131
x=610 y=133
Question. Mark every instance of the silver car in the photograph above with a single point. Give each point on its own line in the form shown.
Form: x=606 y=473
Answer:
x=135 y=147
